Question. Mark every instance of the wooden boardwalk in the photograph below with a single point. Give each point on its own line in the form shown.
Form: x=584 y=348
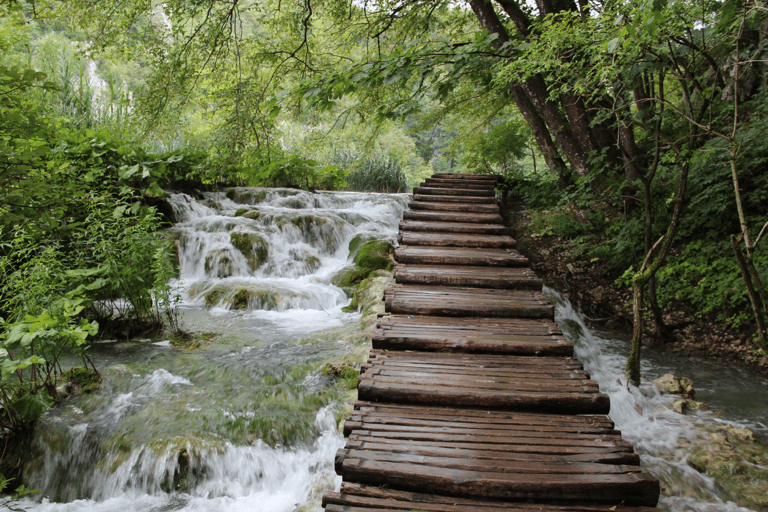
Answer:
x=471 y=399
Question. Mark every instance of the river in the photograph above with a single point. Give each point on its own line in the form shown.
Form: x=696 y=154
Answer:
x=248 y=422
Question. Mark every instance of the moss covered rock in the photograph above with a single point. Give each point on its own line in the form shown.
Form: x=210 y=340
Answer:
x=85 y=380
x=218 y=263
x=369 y=256
x=737 y=463
x=247 y=195
x=252 y=246
x=242 y=296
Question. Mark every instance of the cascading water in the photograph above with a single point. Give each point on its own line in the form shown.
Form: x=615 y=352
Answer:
x=645 y=417
x=246 y=423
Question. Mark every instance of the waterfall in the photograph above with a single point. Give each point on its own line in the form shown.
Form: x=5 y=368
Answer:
x=246 y=423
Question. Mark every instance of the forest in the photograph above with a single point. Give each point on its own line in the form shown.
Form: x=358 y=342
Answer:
x=635 y=130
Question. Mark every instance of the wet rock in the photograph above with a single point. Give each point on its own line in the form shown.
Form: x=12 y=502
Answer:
x=737 y=463
x=252 y=246
x=218 y=263
x=675 y=385
x=685 y=405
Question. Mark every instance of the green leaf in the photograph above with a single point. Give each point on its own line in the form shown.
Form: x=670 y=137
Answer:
x=30 y=407
x=126 y=172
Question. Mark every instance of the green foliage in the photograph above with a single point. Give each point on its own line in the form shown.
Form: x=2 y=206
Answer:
x=377 y=173
x=495 y=150
x=298 y=172
x=703 y=275
x=711 y=186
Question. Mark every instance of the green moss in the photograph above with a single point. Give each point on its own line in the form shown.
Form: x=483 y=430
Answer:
x=265 y=299
x=346 y=373
x=375 y=255
x=240 y=212
x=311 y=264
x=86 y=380
x=246 y=195
x=252 y=246
x=191 y=340
x=369 y=256
x=355 y=243
x=217 y=262
x=296 y=204
x=214 y=296
x=240 y=299
x=253 y=215
x=737 y=462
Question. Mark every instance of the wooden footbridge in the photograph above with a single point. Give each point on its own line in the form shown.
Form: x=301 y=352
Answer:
x=471 y=399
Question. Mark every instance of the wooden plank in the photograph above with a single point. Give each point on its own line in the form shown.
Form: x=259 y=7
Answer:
x=633 y=488
x=442 y=191
x=461 y=183
x=395 y=424
x=435 y=395
x=456 y=240
x=358 y=497
x=619 y=453
x=445 y=198
x=453 y=227
x=449 y=414
x=455 y=301
x=536 y=466
x=510 y=278
x=455 y=207
x=488 y=257
x=482 y=218
x=468 y=176
x=454 y=185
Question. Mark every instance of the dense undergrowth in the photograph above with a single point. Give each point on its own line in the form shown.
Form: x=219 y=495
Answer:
x=701 y=276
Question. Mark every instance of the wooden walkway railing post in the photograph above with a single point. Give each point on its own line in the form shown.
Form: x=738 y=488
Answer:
x=471 y=398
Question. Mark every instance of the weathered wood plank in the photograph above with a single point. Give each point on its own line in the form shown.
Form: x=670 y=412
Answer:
x=434 y=395
x=395 y=424
x=453 y=227
x=448 y=414
x=454 y=185
x=369 y=497
x=442 y=191
x=461 y=183
x=455 y=207
x=543 y=467
x=456 y=240
x=482 y=218
x=621 y=453
x=363 y=498
x=510 y=278
x=468 y=256
x=454 y=301
x=633 y=488
x=445 y=198
x=468 y=176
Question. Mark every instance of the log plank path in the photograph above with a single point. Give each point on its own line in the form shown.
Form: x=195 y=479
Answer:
x=471 y=399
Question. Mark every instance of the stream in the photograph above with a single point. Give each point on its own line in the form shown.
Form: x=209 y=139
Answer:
x=249 y=422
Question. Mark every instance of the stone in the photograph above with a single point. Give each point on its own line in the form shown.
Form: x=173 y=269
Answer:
x=686 y=405
x=669 y=384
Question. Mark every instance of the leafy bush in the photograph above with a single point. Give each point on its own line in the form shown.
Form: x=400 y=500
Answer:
x=379 y=173
x=712 y=204
x=705 y=274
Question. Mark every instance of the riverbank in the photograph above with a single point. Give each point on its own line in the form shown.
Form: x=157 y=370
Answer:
x=607 y=305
